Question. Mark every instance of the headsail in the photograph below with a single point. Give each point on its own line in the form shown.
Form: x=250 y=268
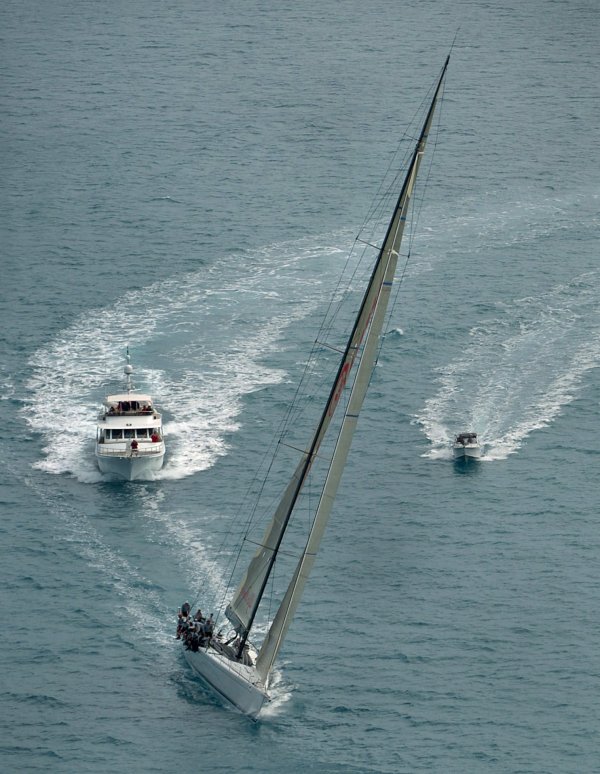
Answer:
x=365 y=335
x=243 y=607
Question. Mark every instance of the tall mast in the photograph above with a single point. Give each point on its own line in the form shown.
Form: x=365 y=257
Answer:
x=387 y=257
x=244 y=606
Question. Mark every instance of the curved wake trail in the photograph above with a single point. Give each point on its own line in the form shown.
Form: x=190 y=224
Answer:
x=139 y=603
x=206 y=334
x=519 y=370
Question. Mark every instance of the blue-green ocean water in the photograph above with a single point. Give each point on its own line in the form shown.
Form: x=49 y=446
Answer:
x=186 y=178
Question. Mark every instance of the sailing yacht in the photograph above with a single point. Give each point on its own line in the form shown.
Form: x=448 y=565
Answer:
x=231 y=665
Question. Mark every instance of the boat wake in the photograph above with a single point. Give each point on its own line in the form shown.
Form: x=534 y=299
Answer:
x=518 y=372
x=139 y=601
x=207 y=336
x=280 y=694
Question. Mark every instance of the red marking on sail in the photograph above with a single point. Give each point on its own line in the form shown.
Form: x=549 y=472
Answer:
x=347 y=367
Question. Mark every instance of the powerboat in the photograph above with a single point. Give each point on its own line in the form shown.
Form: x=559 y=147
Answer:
x=129 y=434
x=466 y=447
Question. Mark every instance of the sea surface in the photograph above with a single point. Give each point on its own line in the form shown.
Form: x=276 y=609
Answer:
x=187 y=179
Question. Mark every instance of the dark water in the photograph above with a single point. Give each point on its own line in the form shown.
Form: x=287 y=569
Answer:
x=187 y=178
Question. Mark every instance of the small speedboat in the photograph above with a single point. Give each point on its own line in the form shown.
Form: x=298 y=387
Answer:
x=129 y=434
x=466 y=447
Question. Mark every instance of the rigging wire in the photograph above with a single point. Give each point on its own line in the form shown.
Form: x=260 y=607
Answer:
x=416 y=212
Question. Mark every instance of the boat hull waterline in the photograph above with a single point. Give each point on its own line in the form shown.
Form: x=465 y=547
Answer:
x=467 y=453
x=236 y=683
x=140 y=467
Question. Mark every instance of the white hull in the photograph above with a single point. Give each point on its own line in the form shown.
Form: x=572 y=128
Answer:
x=472 y=452
x=240 y=685
x=131 y=467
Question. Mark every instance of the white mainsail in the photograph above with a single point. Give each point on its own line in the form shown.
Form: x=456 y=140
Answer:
x=388 y=259
x=362 y=347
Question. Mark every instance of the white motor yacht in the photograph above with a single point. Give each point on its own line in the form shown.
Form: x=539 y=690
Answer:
x=129 y=435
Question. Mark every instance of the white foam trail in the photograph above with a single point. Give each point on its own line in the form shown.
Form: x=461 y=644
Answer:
x=199 y=559
x=211 y=329
x=519 y=371
x=136 y=602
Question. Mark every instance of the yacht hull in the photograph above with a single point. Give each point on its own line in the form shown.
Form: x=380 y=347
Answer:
x=467 y=452
x=238 y=684
x=131 y=467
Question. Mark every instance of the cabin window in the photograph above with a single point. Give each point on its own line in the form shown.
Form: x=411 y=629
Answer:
x=117 y=433
x=129 y=433
x=142 y=432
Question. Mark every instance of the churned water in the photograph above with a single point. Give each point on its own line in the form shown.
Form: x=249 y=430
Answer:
x=187 y=178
